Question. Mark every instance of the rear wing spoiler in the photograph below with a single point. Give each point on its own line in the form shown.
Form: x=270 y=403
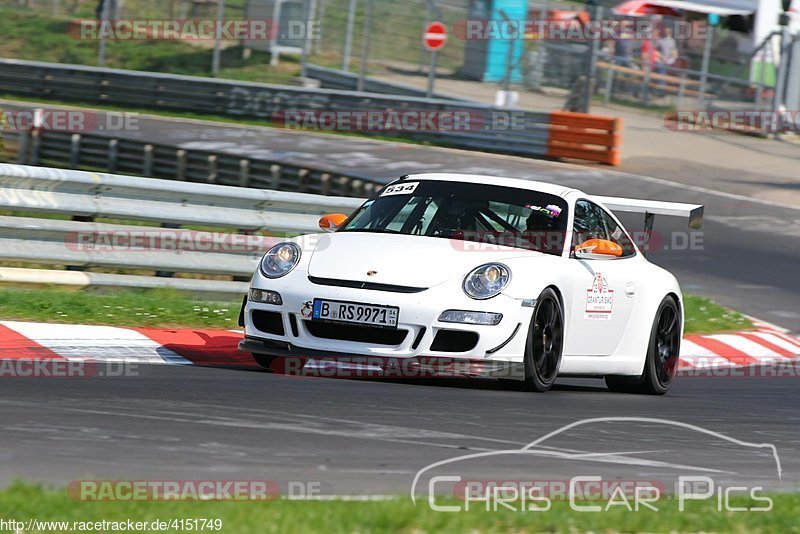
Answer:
x=651 y=208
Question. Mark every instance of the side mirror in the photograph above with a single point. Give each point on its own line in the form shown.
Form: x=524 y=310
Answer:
x=598 y=249
x=329 y=223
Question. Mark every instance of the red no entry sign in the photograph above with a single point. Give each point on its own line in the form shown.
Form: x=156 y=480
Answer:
x=434 y=37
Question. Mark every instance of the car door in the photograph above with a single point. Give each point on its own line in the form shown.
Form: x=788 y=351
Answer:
x=604 y=290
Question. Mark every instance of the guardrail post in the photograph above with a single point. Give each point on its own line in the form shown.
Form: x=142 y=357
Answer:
x=646 y=84
x=147 y=161
x=112 y=155
x=275 y=171
x=180 y=165
x=212 y=169
x=370 y=188
x=325 y=183
x=302 y=180
x=167 y=274
x=343 y=185
x=244 y=173
x=36 y=146
x=75 y=151
x=22 y=150
x=357 y=188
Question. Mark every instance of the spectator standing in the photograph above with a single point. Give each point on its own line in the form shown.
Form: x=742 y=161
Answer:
x=623 y=52
x=667 y=48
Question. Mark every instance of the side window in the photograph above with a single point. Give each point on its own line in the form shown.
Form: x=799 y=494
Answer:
x=588 y=224
x=617 y=235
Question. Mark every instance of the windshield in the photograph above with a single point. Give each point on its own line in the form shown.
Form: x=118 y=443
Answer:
x=466 y=211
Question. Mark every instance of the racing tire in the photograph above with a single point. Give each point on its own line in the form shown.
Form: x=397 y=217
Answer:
x=661 y=362
x=544 y=345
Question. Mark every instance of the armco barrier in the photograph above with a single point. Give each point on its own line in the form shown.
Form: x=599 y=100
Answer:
x=158 y=160
x=341 y=79
x=584 y=137
x=211 y=96
x=528 y=136
x=82 y=244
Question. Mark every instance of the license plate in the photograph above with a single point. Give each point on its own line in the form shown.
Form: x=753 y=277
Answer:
x=354 y=312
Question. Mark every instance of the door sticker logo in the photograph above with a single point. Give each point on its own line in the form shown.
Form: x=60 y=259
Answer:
x=599 y=299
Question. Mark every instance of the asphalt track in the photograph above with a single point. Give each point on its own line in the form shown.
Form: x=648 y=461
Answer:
x=368 y=437
x=362 y=437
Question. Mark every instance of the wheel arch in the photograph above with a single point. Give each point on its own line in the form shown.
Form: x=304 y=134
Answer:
x=679 y=303
x=676 y=298
x=558 y=293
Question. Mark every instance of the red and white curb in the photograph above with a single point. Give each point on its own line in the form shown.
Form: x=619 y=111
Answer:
x=766 y=346
x=25 y=340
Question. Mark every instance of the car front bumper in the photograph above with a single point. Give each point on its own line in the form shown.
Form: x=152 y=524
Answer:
x=298 y=336
x=292 y=360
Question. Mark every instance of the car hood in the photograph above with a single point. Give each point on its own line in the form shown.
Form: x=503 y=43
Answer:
x=414 y=261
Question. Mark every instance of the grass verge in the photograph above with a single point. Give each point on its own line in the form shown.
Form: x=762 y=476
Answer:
x=34 y=35
x=158 y=308
x=22 y=502
x=704 y=316
x=169 y=308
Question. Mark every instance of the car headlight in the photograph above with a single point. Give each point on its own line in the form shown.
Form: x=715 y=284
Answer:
x=487 y=281
x=280 y=259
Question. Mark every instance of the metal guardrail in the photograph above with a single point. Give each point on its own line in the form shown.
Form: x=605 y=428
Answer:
x=158 y=160
x=83 y=243
x=341 y=79
x=150 y=90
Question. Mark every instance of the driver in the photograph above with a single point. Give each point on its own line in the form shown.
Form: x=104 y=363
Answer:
x=457 y=215
x=543 y=230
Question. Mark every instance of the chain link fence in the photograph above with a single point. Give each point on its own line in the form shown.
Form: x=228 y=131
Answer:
x=394 y=29
x=394 y=45
x=395 y=32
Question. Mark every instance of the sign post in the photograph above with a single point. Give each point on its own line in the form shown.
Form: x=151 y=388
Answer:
x=433 y=39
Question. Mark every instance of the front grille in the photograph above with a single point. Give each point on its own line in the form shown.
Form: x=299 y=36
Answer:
x=365 y=285
x=454 y=341
x=268 y=321
x=359 y=334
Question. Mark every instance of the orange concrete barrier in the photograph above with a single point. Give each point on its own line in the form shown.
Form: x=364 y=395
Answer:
x=584 y=136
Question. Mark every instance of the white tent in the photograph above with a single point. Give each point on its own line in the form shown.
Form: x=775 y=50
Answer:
x=723 y=8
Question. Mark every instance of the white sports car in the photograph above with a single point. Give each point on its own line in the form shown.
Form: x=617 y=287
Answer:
x=477 y=275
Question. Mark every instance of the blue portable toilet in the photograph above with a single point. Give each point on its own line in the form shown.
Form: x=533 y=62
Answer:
x=486 y=59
